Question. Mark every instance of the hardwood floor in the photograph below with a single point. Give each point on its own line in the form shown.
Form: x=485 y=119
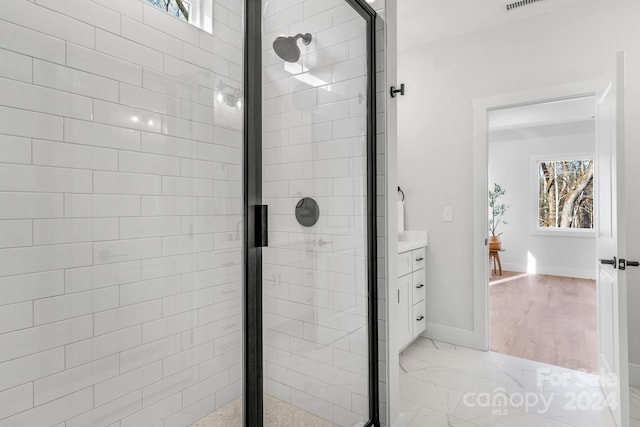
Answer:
x=548 y=319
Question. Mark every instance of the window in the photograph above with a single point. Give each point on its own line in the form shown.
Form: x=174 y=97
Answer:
x=196 y=12
x=179 y=8
x=565 y=194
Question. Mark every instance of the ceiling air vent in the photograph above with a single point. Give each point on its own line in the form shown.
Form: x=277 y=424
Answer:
x=517 y=4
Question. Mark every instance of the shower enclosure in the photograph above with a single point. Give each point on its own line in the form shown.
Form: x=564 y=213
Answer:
x=162 y=261
x=312 y=162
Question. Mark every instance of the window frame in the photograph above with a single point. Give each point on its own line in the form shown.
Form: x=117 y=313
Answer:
x=534 y=219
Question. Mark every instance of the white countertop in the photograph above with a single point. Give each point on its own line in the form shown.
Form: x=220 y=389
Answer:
x=411 y=245
x=412 y=239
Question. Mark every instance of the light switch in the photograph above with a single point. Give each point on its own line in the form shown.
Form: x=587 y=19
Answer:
x=447 y=213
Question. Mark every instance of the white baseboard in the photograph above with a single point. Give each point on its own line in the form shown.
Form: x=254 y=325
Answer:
x=456 y=336
x=634 y=375
x=553 y=271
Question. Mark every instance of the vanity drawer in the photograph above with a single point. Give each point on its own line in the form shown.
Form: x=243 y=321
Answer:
x=405 y=263
x=419 y=321
x=417 y=259
x=419 y=287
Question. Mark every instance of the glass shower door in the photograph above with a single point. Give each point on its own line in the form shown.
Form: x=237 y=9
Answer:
x=315 y=166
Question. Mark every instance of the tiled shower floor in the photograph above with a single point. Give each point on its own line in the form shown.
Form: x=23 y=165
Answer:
x=277 y=414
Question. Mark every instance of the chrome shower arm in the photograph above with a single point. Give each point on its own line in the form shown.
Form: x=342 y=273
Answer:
x=306 y=38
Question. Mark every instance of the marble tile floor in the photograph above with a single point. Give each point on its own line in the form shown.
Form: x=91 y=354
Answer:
x=635 y=406
x=277 y=414
x=442 y=385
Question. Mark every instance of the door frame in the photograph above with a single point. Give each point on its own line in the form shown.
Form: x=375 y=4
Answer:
x=253 y=385
x=481 y=109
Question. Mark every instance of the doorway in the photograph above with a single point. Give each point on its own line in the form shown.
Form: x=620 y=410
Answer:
x=542 y=292
x=609 y=224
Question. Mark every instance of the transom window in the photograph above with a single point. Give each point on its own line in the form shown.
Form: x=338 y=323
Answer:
x=179 y=8
x=196 y=12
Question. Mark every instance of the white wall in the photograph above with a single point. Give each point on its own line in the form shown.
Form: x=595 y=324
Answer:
x=510 y=165
x=120 y=213
x=436 y=130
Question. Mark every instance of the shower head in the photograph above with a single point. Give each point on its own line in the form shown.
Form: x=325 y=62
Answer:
x=287 y=47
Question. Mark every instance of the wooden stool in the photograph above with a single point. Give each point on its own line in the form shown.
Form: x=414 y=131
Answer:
x=494 y=256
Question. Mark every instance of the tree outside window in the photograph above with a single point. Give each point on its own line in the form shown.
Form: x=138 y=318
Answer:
x=179 y=8
x=565 y=194
x=198 y=13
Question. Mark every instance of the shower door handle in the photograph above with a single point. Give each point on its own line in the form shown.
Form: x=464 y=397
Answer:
x=262 y=226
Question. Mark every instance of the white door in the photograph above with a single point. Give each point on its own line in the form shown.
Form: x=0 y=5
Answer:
x=611 y=280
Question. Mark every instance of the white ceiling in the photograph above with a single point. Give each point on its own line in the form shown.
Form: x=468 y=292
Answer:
x=554 y=118
x=425 y=21
x=585 y=128
x=543 y=114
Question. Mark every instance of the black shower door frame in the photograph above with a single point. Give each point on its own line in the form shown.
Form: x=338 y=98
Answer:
x=252 y=316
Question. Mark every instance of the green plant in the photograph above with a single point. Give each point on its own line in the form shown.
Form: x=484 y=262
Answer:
x=496 y=210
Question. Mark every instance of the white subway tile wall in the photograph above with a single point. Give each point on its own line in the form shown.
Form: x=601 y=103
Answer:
x=314 y=145
x=120 y=214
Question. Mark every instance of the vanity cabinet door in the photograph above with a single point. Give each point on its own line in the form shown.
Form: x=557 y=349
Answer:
x=405 y=314
x=405 y=263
